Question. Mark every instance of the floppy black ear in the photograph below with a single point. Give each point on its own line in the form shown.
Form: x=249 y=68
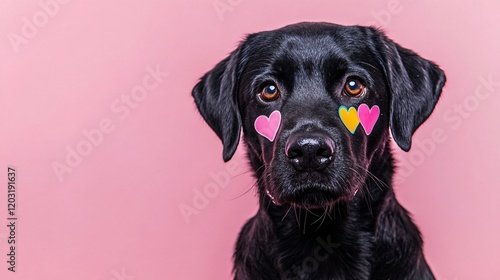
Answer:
x=215 y=96
x=415 y=84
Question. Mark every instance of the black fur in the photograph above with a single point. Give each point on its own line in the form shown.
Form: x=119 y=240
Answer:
x=312 y=223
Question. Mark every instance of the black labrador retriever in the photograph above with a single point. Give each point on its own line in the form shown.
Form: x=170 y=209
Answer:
x=315 y=102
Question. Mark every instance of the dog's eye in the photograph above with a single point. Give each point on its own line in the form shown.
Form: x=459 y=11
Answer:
x=269 y=92
x=354 y=87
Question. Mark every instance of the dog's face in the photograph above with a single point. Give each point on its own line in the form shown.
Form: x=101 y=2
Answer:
x=315 y=102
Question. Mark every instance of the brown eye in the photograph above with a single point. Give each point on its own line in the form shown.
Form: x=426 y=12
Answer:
x=354 y=87
x=269 y=92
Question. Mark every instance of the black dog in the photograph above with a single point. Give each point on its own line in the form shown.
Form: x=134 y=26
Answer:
x=327 y=208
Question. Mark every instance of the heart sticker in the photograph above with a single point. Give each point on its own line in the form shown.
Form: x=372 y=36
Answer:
x=349 y=118
x=368 y=117
x=268 y=127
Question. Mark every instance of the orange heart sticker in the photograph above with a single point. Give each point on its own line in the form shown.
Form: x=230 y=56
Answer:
x=349 y=118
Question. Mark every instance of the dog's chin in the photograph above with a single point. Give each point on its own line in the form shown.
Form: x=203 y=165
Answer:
x=312 y=198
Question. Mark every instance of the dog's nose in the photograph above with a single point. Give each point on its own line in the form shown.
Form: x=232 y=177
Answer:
x=309 y=151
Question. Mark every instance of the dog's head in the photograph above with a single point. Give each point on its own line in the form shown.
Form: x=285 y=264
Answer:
x=316 y=101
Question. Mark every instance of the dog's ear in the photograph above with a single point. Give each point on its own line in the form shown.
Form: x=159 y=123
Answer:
x=415 y=86
x=215 y=96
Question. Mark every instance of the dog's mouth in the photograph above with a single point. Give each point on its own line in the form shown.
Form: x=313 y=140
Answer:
x=313 y=171
x=311 y=198
x=312 y=189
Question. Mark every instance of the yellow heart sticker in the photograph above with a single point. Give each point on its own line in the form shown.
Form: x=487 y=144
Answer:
x=349 y=118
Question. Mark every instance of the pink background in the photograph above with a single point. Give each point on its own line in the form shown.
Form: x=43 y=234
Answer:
x=116 y=214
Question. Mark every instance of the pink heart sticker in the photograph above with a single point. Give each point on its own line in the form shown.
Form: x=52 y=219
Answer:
x=368 y=117
x=268 y=127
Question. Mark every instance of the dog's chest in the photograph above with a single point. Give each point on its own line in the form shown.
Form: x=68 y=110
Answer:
x=314 y=257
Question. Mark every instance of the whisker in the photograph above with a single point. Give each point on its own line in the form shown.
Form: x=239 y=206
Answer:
x=251 y=185
x=366 y=63
x=374 y=177
x=305 y=225
x=286 y=214
x=296 y=218
x=328 y=211
x=308 y=210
